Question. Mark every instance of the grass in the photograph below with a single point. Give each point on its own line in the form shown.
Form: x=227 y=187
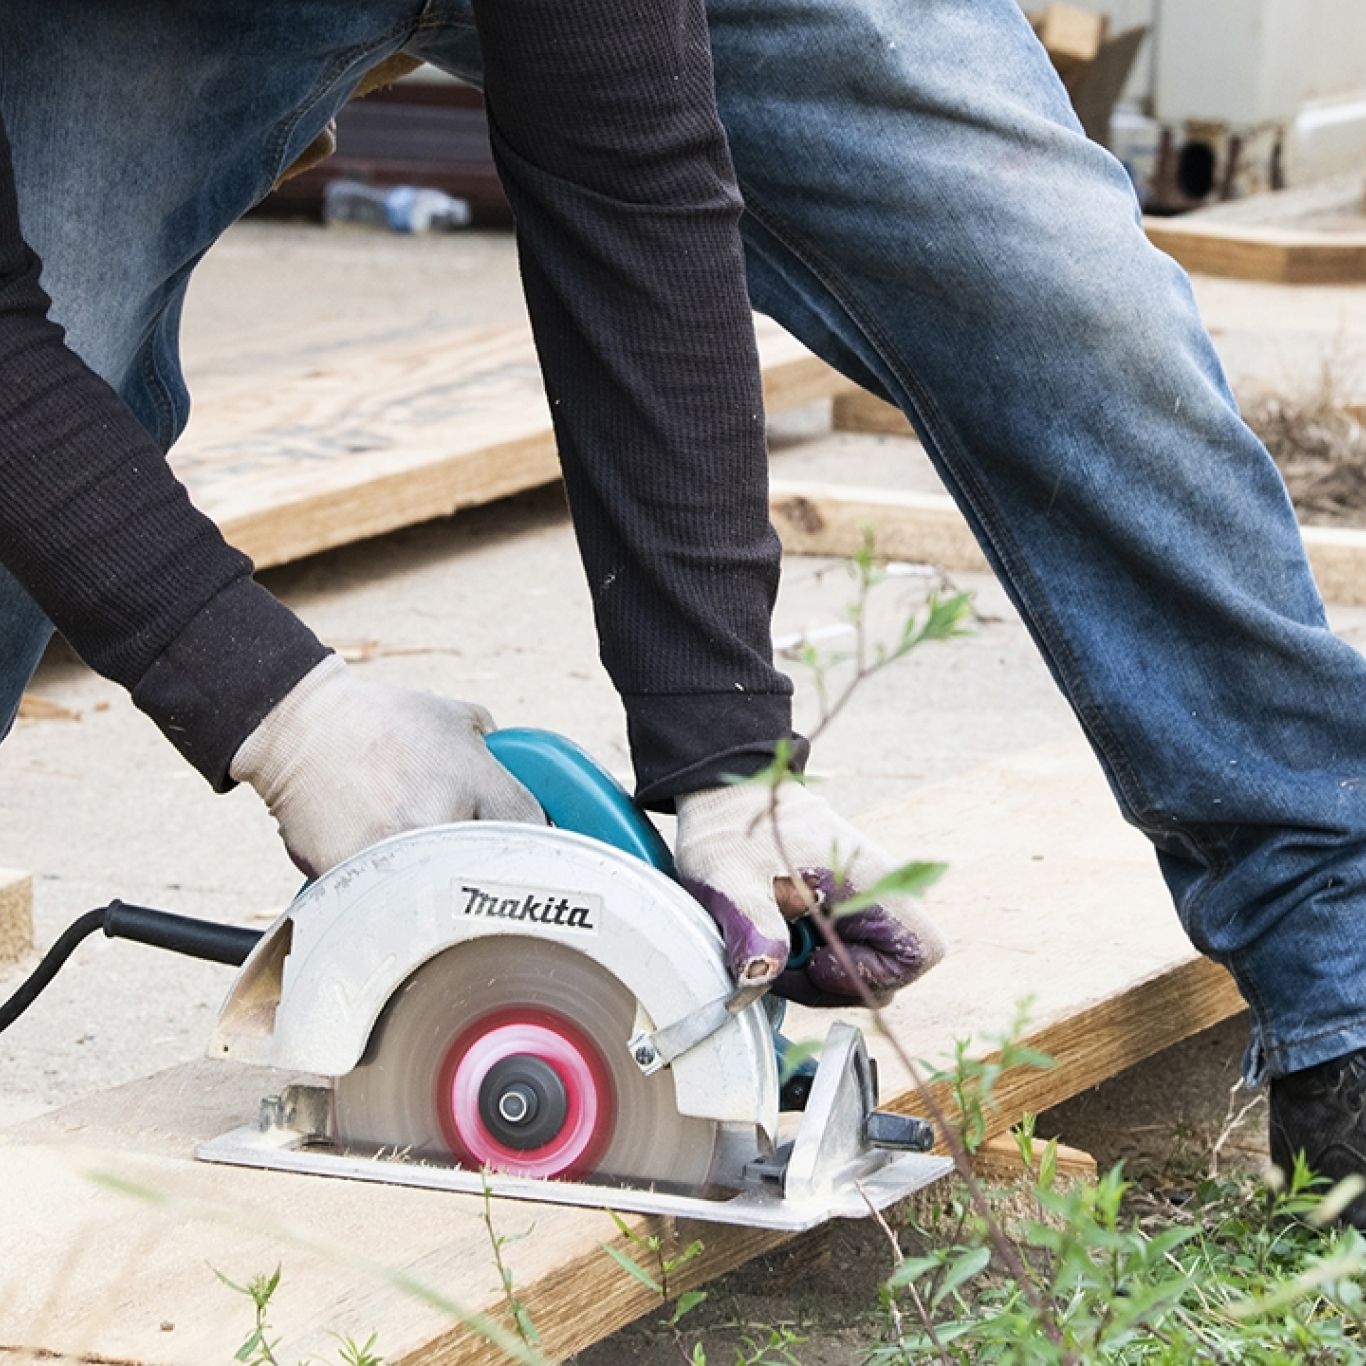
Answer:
x=1318 y=441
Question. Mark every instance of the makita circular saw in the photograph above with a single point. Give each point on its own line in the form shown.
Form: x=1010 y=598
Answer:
x=542 y=1010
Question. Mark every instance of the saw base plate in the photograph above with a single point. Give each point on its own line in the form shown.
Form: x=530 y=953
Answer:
x=885 y=1179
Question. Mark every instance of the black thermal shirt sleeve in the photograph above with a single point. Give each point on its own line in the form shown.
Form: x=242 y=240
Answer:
x=604 y=126
x=101 y=533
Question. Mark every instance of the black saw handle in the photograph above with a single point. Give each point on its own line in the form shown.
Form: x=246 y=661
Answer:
x=211 y=940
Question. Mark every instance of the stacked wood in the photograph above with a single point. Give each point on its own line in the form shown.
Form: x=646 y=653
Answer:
x=1311 y=235
x=1094 y=63
x=927 y=528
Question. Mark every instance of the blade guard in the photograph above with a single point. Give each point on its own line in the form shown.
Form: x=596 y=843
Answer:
x=309 y=996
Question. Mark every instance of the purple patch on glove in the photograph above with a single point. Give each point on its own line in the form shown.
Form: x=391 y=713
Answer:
x=302 y=864
x=754 y=958
x=885 y=953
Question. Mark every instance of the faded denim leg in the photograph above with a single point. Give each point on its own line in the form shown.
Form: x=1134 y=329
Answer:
x=925 y=212
x=140 y=132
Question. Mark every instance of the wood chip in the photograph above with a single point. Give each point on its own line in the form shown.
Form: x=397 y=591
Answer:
x=32 y=707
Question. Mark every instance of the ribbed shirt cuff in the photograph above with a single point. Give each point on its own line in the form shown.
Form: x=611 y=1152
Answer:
x=688 y=741
x=212 y=686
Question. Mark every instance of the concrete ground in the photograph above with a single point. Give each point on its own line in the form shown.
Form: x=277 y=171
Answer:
x=489 y=606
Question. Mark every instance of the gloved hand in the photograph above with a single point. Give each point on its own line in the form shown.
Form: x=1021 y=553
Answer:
x=728 y=856
x=343 y=762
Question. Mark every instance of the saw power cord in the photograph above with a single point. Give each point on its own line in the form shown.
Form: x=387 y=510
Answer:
x=210 y=940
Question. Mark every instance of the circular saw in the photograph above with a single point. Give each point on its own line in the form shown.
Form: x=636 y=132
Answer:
x=546 y=1013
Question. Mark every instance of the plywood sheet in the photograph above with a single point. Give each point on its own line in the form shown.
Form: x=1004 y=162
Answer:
x=322 y=444
x=1049 y=895
x=865 y=412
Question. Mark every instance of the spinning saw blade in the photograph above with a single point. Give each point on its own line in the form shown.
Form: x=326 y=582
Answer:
x=510 y=1052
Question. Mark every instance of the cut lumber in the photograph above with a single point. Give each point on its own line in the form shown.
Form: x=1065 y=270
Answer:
x=1310 y=236
x=16 y=915
x=831 y=519
x=1049 y=895
x=865 y=412
x=33 y=707
x=351 y=440
x=998 y=1160
x=927 y=528
x=1278 y=255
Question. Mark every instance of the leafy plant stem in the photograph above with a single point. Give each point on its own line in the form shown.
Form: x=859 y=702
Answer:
x=517 y=1311
x=893 y=1309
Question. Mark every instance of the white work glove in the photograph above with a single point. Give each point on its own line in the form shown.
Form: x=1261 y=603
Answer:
x=729 y=857
x=343 y=762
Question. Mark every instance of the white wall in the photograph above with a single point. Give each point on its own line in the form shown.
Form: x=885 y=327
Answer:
x=1244 y=61
x=1257 y=61
x=1300 y=64
x=1127 y=14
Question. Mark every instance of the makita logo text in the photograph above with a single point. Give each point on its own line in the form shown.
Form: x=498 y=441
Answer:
x=545 y=909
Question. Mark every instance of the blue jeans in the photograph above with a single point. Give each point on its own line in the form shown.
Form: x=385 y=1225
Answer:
x=924 y=212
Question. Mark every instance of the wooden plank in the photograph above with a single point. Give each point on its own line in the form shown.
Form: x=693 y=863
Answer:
x=1314 y=235
x=1071 y=35
x=1338 y=558
x=347 y=440
x=998 y=1160
x=1335 y=204
x=1048 y=894
x=832 y=519
x=865 y=412
x=16 y=915
x=1277 y=255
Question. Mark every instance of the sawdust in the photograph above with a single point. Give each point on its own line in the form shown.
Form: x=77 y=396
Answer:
x=32 y=707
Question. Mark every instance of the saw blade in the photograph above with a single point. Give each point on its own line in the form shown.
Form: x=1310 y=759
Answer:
x=427 y=1086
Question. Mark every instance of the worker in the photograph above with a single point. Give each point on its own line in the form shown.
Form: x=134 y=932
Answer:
x=923 y=210
x=634 y=276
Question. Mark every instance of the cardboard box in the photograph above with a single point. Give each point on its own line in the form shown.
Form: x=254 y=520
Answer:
x=1072 y=36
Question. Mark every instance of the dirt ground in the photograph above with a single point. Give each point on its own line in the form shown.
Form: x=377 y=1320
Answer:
x=1162 y=1119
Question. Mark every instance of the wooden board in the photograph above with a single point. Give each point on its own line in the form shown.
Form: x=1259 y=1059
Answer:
x=834 y=519
x=1310 y=236
x=1049 y=895
x=16 y=915
x=345 y=441
x=865 y=412
x=998 y=1160
x=927 y=528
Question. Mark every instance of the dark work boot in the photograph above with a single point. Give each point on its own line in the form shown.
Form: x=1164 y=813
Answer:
x=1322 y=1112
